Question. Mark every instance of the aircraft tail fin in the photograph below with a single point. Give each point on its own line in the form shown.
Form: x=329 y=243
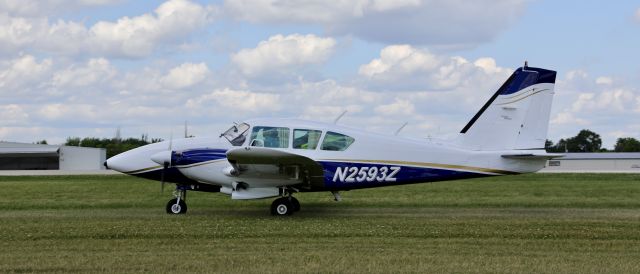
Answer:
x=516 y=116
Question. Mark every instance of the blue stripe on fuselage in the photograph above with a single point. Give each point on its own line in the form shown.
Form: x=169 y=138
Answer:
x=194 y=156
x=345 y=175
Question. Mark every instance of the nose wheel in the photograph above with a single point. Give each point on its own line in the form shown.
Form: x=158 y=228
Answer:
x=177 y=205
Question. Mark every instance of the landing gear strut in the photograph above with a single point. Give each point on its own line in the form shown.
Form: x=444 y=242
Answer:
x=178 y=205
x=284 y=206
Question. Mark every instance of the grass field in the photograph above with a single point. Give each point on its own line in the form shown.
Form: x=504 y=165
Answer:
x=539 y=223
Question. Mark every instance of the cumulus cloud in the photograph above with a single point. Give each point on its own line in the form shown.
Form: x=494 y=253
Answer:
x=67 y=111
x=283 y=52
x=618 y=100
x=185 y=75
x=387 y=21
x=95 y=71
x=23 y=73
x=603 y=80
x=137 y=36
x=236 y=100
x=568 y=118
x=409 y=68
x=399 y=107
x=131 y=37
x=13 y=114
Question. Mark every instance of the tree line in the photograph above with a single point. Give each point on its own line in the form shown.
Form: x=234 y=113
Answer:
x=114 y=146
x=589 y=141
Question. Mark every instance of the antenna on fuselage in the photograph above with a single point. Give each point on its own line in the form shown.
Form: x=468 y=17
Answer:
x=339 y=116
x=186 y=134
x=401 y=127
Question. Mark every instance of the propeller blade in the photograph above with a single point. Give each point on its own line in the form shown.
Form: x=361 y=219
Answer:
x=164 y=168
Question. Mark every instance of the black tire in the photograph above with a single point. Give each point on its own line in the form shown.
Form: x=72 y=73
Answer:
x=295 y=203
x=173 y=208
x=281 y=207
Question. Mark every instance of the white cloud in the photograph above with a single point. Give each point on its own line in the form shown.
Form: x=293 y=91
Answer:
x=399 y=107
x=236 y=100
x=567 y=118
x=23 y=72
x=13 y=114
x=138 y=36
x=615 y=100
x=185 y=75
x=132 y=37
x=637 y=15
x=98 y=70
x=408 y=68
x=603 y=80
x=387 y=21
x=328 y=113
x=330 y=91
x=282 y=52
x=77 y=112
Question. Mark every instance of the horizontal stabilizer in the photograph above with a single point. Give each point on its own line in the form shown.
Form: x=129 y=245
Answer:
x=532 y=156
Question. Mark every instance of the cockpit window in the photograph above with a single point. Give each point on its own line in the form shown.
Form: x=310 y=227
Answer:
x=276 y=137
x=236 y=134
x=306 y=138
x=336 y=141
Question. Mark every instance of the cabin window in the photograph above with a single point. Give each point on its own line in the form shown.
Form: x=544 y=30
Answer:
x=336 y=141
x=306 y=138
x=276 y=137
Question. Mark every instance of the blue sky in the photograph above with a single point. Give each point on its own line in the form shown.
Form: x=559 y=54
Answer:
x=85 y=67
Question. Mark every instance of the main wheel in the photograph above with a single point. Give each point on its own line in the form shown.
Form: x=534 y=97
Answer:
x=295 y=203
x=281 y=207
x=175 y=207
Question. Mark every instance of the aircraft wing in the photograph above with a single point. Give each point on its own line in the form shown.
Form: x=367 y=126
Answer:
x=533 y=156
x=255 y=162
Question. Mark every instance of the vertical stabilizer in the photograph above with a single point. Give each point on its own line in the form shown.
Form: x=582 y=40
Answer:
x=516 y=116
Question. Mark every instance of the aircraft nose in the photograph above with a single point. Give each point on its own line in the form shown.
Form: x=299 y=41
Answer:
x=117 y=163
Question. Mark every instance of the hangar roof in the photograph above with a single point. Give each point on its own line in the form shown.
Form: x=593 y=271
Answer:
x=20 y=148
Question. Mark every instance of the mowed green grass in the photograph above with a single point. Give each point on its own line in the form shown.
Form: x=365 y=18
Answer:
x=538 y=223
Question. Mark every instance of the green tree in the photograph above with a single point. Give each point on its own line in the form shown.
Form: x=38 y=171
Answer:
x=113 y=146
x=627 y=145
x=585 y=141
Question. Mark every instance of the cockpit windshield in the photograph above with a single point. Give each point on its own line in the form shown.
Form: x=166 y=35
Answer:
x=236 y=134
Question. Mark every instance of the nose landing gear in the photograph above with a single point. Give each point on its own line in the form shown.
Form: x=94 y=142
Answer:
x=178 y=205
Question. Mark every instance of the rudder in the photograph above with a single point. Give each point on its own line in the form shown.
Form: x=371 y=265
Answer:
x=516 y=116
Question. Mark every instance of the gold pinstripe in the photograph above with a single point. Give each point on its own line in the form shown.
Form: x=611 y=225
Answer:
x=522 y=97
x=143 y=170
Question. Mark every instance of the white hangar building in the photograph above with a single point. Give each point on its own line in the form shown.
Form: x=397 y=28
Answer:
x=23 y=156
x=614 y=162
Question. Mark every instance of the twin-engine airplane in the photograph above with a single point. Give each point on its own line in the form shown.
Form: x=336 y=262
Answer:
x=279 y=157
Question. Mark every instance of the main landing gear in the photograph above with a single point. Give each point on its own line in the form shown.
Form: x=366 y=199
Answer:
x=178 y=205
x=284 y=206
